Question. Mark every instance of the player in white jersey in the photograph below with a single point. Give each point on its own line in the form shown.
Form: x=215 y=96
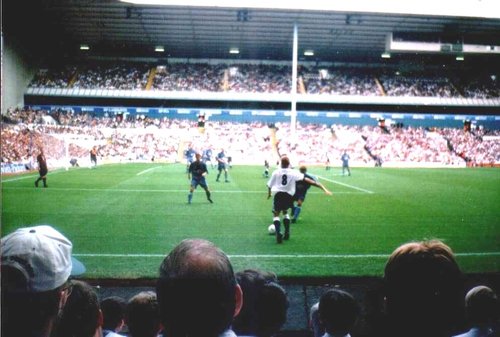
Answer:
x=282 y=186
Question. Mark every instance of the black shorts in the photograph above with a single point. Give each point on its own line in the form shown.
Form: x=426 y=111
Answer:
x=282 y=201
x=43 y=172
x=299 y=196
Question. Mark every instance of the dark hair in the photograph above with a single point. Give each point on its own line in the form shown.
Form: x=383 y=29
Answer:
x=423 y=287
x=285 y=162
x=196 y=290
x=143 y=315
x=25 y=312
x=482 y=306
x=80 y=316
x=338 y=311
x=265 y=304
x=113 y=311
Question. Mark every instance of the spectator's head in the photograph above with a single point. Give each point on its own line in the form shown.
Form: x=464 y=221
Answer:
x=36 y=265
x=197 y=290
x=81 y=316
x=338 y=312
x=113 y=311
x=303 y=169
x=482 y=306
x=285 y=162
x=265 y=304
x=143 y=315
x=423 y=288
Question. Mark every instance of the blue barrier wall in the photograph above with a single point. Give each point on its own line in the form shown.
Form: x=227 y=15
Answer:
x=274 y=116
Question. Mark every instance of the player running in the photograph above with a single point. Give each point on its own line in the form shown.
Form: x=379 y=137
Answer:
x=301 y=188
x=196 y=173
x=282 y=185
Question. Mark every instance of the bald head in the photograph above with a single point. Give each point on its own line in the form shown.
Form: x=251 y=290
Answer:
x=196 y=290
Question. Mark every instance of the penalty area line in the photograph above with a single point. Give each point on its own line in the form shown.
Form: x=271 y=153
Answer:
x=148 y=170
x=30 y=176
x=346 y=185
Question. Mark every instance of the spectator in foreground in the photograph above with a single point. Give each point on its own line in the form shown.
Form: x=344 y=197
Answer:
x=338 y=312
x=143 y=316
x=113 y=311
x=81 y=316
x=36 y=265
x=482 y=312
x=265 y=304
x=423 y=288
x=197 y=291
x=335 y=314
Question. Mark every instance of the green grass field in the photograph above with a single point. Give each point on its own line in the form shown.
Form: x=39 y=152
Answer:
x=124 y=218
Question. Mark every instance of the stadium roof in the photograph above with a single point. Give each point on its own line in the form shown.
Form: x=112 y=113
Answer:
x=209 y=29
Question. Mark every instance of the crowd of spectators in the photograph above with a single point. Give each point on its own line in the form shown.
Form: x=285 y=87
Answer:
x=113 y=77
x=260 y=79
x=139 y=138
x=189 y=77
x=340 y=81
x=198 y=294
x=270 y=78
x=418 y=84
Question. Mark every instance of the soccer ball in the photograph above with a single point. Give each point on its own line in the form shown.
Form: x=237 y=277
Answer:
x=271 y=229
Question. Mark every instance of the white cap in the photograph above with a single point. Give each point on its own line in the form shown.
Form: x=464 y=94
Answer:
x=43 y=254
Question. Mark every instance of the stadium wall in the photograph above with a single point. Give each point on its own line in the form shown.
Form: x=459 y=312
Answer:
x=270 y=116
x=17 y=71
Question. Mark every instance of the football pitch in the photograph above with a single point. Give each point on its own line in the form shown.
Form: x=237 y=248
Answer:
x=124 y=218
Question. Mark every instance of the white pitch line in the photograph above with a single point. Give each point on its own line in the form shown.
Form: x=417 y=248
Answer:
x=287 y=256
x=149 y=169
x=346 y=185
x=120 y=190
x=31 y=176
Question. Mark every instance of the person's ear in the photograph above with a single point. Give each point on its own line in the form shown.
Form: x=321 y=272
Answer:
x=238 y=300
x=120 y=325
x=63 y=297
x=100 y=318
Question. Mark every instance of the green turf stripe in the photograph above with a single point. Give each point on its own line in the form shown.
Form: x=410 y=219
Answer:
x=152 y=191
x=264 y=256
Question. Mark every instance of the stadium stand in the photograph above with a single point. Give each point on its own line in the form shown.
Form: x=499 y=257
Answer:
x=138 y=138
x=269 y=78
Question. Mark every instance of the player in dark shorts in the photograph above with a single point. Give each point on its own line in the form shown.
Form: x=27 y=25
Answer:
x=42 y=169
x=266 y=169
x=222 y=165
x=301 y=188
x=197 y=172
x=345 y=164
x=93 y=156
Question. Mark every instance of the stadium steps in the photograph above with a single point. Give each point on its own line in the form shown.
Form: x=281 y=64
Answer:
x=73 y=79
x=152 y=74
x=380 y=86
x=225 y=81
x=302 y=86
